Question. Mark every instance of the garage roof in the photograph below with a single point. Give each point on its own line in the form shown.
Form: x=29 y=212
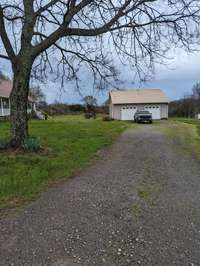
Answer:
x=138 y=96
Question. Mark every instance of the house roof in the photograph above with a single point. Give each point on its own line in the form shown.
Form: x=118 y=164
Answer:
x=6 y=88
x=138 y=96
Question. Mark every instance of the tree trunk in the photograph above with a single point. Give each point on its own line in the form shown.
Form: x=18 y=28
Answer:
x=19 y=103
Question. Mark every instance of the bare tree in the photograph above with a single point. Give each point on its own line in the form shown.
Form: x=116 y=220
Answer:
x=196 y=91
x=90 y=100
x=141 y=31
x=37 y=94
x=90 y=103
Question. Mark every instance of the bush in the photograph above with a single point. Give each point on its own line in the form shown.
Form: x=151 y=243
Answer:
x=3 y=144
x=32 y=144
x=107 y=118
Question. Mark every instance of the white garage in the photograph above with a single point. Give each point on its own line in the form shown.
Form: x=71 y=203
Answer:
x=154 y=110
x=124 y=104
x=127 y=112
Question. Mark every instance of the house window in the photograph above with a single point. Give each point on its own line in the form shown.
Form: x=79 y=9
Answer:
x=30 y=105
x=5 y=103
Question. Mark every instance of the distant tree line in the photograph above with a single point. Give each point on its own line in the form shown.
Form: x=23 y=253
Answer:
x=64 y=109
x=89 y=103
x=188 y=106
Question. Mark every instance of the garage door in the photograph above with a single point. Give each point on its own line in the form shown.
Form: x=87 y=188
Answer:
x=127 y=112
x=154 y=110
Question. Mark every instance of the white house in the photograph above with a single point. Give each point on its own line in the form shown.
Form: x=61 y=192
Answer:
x=124 y=104
x=5 y=91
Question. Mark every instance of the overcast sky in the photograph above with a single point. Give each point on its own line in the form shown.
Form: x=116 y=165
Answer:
x=176 y=79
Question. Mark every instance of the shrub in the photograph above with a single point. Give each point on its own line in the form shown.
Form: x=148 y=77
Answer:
x=107 y=118
x=32 y=144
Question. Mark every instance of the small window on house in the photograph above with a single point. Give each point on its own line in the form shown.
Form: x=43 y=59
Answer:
x=5 y=103
x=30 y=105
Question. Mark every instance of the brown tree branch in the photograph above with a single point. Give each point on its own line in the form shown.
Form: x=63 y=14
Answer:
x=4 y=57
x=45 y=7
x=5 y=39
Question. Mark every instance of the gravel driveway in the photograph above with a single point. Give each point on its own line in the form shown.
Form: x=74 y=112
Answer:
x=139 y=204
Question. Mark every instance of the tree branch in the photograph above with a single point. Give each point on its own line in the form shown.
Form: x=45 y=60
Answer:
x=5 y=39
x=63 y=30
x=45 y=7
x=4 y=57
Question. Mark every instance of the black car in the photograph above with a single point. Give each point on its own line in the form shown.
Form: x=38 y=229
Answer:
x=143 y=116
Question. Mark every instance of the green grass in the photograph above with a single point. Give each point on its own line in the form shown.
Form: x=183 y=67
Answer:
x=70 y=142
x=186 y=133
x=191 y=121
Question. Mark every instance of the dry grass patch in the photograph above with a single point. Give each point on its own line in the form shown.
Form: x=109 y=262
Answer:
x=185 y=136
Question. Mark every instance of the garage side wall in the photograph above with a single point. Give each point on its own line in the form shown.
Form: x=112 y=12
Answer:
x=116 y=112
x=164 y=111
x=111 y=110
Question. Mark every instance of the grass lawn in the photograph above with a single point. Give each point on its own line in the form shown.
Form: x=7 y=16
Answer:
x=187 y=121
x=70 y=142
x=187 y=132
